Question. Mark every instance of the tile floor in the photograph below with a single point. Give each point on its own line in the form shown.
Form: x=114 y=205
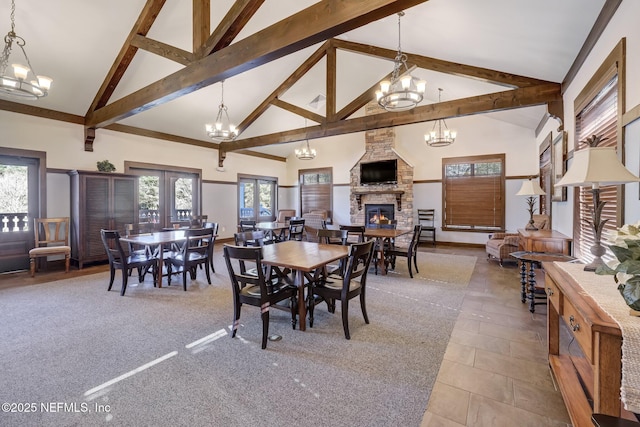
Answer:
x=495 y=371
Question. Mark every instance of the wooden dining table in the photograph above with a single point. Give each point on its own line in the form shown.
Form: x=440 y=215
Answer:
x=302 y=257
x=382 y=234
x=157 y=241
x=272 y=230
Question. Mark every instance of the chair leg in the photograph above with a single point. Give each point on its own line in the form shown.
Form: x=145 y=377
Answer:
x=67 y=260
x=344 y=306
x=125 y=276
x=265 y=328
x=113 y=276
x=32 y=266
x=206 y=270
x=311 y=303
x=294 y=310
x=236 y=317
x=184 y=279
x=415 y=261
x=363 y=306
x=409 y=264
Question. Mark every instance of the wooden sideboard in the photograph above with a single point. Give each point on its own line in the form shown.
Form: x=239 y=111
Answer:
x=589 y=382
x=544 y=241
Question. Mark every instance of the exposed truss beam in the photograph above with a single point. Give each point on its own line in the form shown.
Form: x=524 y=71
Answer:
x=233 y=22
x=484 y=74
x=298 y=110
x=125 y=56
x=162 y=49
x=201 y=13
x=318 y=22
x=510 y=99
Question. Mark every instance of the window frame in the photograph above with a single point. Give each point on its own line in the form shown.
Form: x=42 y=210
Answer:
x=302 y=186
x=500 y=195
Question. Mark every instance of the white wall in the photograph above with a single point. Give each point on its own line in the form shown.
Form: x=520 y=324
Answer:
x=623 y=24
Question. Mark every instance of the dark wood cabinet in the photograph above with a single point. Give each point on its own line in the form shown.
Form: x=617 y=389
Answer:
x=99 y=200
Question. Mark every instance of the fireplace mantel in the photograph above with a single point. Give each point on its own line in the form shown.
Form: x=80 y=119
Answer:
x=398 y=194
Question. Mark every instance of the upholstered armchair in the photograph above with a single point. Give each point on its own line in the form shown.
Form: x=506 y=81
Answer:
x=500 y=245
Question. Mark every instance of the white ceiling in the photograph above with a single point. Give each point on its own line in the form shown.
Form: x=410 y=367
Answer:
x=75 y=42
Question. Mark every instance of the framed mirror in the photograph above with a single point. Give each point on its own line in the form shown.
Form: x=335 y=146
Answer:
x=545 y=175
x=558 y=166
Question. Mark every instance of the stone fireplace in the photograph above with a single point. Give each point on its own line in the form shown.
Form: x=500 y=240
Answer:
x=380 y=145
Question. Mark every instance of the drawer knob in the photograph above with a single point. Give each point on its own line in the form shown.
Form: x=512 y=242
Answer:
x=549 y=291
x=574 y=326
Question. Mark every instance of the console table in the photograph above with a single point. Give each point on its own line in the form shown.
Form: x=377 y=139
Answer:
x=544 y=241
x=599 y=337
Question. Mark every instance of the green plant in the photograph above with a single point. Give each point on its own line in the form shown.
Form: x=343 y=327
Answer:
x=105 y=166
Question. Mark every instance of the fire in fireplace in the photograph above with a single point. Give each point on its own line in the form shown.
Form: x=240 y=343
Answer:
x=376 y=212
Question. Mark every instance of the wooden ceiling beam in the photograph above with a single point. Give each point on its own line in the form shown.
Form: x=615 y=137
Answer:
x=284 y=86
x=201 y=16
x=233 y=22
x=506 y=100
x=147 y=17
x=319 y=22
x=162 y=49
x=331 y=85
x=483 y=74
x=298 y=110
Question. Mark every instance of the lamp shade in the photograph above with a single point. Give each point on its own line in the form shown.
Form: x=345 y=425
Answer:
x=530 y=188
x=595 y=166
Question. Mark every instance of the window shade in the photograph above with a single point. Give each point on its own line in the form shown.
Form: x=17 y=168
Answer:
x=474 y=193
x=598 y=117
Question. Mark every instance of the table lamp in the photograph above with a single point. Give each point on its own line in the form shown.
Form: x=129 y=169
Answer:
x=595 y=166
x=531 y=188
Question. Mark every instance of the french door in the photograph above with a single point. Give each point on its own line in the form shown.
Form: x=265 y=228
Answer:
x=256 y=198
x=22 y=182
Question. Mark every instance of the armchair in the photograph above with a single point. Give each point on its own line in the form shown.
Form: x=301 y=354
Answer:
x=500 y=245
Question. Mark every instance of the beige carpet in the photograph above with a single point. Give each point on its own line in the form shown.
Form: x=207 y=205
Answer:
x=164 y=357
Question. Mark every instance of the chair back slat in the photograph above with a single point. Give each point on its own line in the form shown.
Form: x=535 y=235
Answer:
x=51 y=231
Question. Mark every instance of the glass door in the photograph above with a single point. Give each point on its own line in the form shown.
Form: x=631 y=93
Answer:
x=257 y=198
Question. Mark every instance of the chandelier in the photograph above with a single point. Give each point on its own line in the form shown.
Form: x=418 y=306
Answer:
x=18 y=85
x=439 y=137
x=222 y=130
x=402 y=92
x=305 y=153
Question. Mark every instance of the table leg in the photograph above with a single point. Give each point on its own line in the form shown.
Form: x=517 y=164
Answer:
x=382 y=265
x=532 y=288
x=302 y=308
x=523 y=281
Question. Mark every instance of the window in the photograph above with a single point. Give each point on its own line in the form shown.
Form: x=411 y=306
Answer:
x=598 y=109
x=316 y=190
x=166 y=194
x=256 y=198
x=473 y=193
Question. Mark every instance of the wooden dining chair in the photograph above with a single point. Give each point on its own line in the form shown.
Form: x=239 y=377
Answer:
x=214 y=226
x=353 y=284
x=355 y=233
x=119 y=259
x=255 y=289
x=51 y=238
x=196 y=251
x=410 y=252
x=296 y=229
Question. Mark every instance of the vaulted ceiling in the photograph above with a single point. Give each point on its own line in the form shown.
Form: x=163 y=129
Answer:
x=154 y=67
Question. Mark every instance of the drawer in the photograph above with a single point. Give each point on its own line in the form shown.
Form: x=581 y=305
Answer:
x=580 y=329
x=553 y=294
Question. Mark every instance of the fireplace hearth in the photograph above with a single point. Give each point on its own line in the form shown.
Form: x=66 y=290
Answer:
x=376 y=212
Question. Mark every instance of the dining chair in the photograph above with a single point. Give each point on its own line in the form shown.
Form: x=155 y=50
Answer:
x=214 y=226
x=197 y=221
x=332 y=237
x=353 y=284
x=247 y=225
x=426 y=218
x=296 y=229
x=51 y=238
x=355 y=233
x=249 y=238
x=196 y=250
x=120 y=260
x=255 y=289
x=410 y=252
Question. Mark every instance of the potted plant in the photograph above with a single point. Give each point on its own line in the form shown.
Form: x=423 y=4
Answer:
x=105 y=166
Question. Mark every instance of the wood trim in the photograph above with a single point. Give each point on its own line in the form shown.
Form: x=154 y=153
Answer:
x=128 y=165
x=611 y=65
x=631 y=116
x=32 y=110
x=212 y=181
x=607 y=12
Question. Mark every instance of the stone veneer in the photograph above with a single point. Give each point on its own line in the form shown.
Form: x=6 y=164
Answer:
x=379 y=145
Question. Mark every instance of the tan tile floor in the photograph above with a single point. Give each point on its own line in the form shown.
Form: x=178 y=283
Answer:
x=495 y=370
